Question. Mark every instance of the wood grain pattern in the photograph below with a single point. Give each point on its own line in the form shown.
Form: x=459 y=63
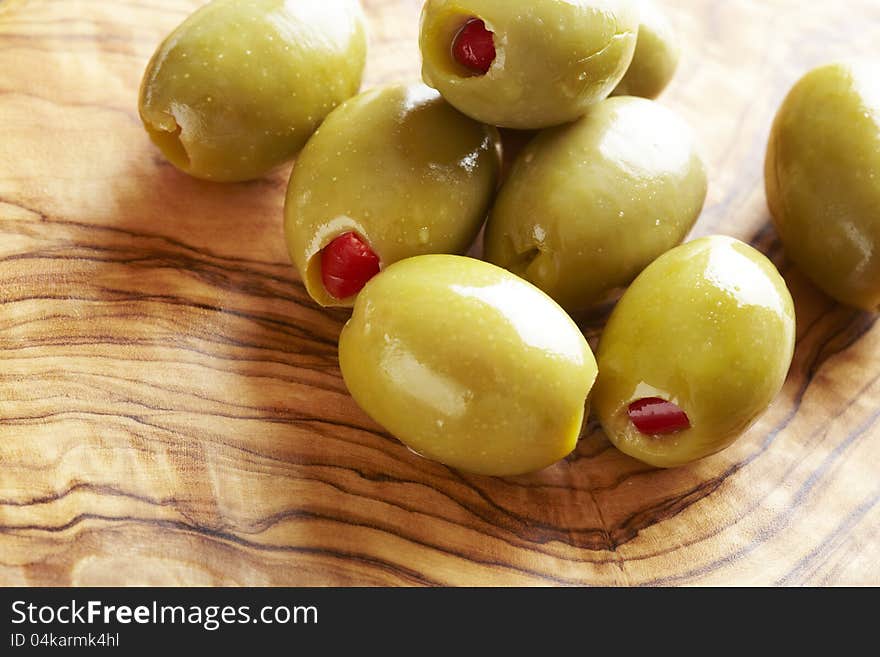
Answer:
x=171 y=409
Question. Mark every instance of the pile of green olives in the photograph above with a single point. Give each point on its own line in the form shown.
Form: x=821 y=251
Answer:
x=477 y=364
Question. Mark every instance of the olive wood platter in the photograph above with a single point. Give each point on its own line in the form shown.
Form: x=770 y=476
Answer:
x=171 y=407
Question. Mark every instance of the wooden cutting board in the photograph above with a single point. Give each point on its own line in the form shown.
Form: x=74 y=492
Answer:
x=171 y=409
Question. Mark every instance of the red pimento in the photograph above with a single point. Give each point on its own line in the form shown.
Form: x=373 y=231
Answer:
x=654 y=416
x=474 y=46
x=347 y=263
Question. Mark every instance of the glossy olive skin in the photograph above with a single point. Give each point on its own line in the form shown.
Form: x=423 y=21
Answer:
x=400 y=167
x=656 y=57
x=554 y=58
x=468 y=365
x=240 y=85
x=589 y=205
x=709 y=326
x=823 y=180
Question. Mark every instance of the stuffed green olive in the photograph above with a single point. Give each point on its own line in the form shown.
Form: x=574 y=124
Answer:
x=468 y=365
x=694 y=352
x=526 y=65
x=393 y=173
x=240 y=85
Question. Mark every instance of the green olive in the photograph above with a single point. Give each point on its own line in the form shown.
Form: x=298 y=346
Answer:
x=709 y=327
x=399 y=167
x=552 y=58
x=589 y=205
x=241 y=85
x=468 y=365
x=656 y=58
x=823 y=180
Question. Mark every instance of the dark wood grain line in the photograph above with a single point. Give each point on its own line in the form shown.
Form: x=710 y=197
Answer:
x=225 y=536
x=215 y=276
x=210 y=534
x=289 y=327
x=155 y=258
x=269 y=413
x=515 y=538
x=88 y=228
x=39 y=418
x=265 y=523
x=386 y=445
x=88 y=487
x=607 y=537
x=98 y=339
x=330 y=372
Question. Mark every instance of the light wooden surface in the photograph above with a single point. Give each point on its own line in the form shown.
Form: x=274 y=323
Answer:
x=171 y=410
